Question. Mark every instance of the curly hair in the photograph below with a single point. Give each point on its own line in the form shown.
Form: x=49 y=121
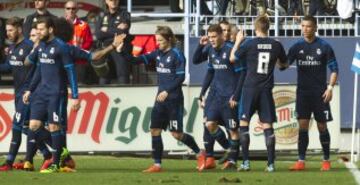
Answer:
x=64 y=30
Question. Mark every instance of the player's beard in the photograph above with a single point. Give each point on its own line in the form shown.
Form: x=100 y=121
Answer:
x=45 y=38
x=15 y=39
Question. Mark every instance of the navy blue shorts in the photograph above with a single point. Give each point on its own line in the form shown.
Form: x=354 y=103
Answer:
x=168 y=114
x=49 y=108
x=312 y=102
x=260 y=100
x=22 y=114
x=218 y=110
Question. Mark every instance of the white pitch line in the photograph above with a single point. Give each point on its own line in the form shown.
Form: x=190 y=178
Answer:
x=354 y=171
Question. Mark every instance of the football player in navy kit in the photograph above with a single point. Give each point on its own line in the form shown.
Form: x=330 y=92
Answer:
x=168 y=109
x=261 y=54
x=54 y=62
x=312 y=56
x=22 y=74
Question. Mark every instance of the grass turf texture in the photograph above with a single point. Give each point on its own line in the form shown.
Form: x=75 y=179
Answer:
x=124 y=170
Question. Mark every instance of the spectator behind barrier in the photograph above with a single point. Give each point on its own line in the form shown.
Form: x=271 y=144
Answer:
x=174 y=7
x=115 y=21
x=41 y=11
x=82 y=38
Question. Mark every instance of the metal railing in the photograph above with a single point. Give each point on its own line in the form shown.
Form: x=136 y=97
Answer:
x=194 y=23
x=328 y=26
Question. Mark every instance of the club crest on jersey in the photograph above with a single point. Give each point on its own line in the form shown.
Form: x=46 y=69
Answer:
x=118 y=17
x=217 y=61
x=105 y=20
x=161 y=65
x=168 y=59
x=40 y=50
x=318 y=51
x=21 y=52
x=52 y=50
x=35 y=19
x=224 y=56
x=212 y=56
x=301 y=52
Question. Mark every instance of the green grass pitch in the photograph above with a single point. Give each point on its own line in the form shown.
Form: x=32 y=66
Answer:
x=103 y=170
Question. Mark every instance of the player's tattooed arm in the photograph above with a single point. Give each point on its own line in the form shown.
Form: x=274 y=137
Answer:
x=117 y=44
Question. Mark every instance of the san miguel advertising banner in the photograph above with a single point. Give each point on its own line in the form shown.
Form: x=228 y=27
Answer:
x=118 y=119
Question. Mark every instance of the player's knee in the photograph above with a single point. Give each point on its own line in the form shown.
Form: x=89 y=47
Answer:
x=304 y=124
x=244 y=123
x=34 y=125
x=211 y=126
x=54 y=127
x=177 y=135
x=234 y=134
x=322 y=127
x=155 y=132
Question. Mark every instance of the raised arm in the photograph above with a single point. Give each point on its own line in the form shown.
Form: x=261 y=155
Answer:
x=202 y=51
x=240 y=37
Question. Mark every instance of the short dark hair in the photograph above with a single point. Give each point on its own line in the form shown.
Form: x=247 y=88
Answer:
x=14 y=21
x=311 y=19
x=48 y=21
x=64 y=29
x=262 y=23
x=215 y=28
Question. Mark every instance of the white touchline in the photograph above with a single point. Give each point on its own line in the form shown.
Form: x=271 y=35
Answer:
x=354 y=171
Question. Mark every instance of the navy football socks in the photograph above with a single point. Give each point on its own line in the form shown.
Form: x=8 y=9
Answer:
x=157 y=148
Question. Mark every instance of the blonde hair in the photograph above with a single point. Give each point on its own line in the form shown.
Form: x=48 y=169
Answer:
x=167 y=33
x=262 y=23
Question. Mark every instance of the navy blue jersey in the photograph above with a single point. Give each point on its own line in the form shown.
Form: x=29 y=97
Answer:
x=54 y=61
x=170 y=67
x=261 y=55
x=202 y=52
x=15 y=62
x=312 y=59
x=78 y=53
x=226 y=74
